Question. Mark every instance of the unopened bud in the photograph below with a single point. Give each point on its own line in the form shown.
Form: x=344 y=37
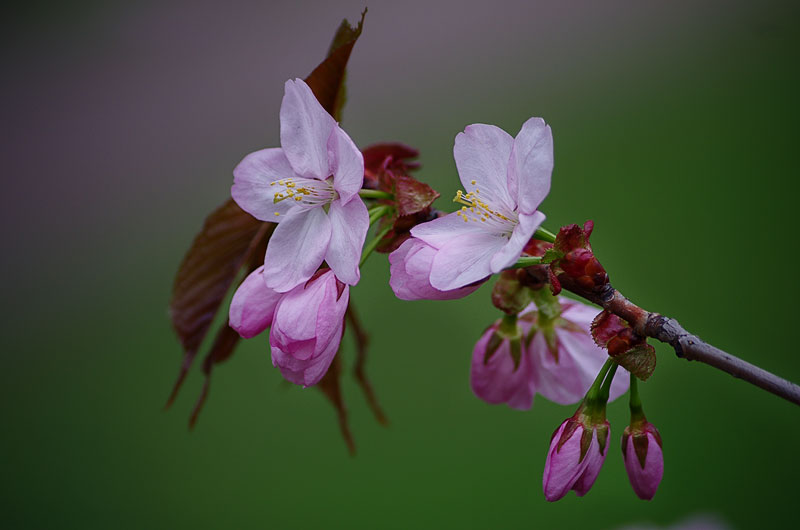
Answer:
x=644 y=459
x=577 y=452
x=577 y=265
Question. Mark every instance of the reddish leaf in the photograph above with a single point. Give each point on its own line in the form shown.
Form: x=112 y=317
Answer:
x=605 y=327
x=412 y=195
x=327 y=79
x=227 y=338
x=227 y=240
x=639 y=360
x=389 y=157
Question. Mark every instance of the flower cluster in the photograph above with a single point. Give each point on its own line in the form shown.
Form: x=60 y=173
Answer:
x=309 y=186
x=548 y=350
x=579 y=446
x=315 y=186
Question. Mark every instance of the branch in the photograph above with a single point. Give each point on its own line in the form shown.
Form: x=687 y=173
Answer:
x=686 y=345
x=362 y=341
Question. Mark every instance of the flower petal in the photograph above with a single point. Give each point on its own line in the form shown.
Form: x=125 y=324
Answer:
x=594 y=463
x=566 y=380
x=296 y=318
x=346 y=165
x=441 y=231
x=497 y=380
x=482 y=154
x=349 y=225
x=531 y=165
x=522 y=233
x=305 y=130
x=296 y=248
x=253 y=305
x=583 y=348
x=251 y=184
x=563 y=465
x=311 y=372
x=464 y=260
x=410 y=269
x=645 y=480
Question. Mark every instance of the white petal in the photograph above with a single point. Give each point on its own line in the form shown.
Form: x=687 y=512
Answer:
x=441 y=231
x=251 y=184
x=346 y=165
x=482 y=154
x=296 y=248
x=349 y=225
x=522 y=233
x=531 y=165
x=305 y=130
x=465 y=260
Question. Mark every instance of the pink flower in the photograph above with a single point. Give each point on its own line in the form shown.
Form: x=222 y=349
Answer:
x=310 y=187
x=410 y=269
x=644 y=459
x=307 y=328
x=559 y=360
x=306 y=323
x=577 y=452
x=506 y=179
x=565 y=376
x=495 y=376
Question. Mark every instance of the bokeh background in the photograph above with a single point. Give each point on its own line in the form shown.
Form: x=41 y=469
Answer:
x=676 y=130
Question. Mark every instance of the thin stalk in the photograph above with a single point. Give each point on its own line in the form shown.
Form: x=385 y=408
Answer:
x=376 y=212
x=369 y=247
x=637 y=414
x=527 y=261
x=544 y=234
x=374 y=194
x=594 y=390
x=605 y=390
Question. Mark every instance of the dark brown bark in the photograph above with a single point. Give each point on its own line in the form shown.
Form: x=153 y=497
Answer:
x=686 y=345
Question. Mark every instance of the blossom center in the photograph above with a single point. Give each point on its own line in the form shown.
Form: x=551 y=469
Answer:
x=479 y=209
x=303 y=192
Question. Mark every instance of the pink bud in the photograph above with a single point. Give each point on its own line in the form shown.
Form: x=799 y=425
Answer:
x=577 y=452
x=307 y=328
x=253 y=305
x=644 y=459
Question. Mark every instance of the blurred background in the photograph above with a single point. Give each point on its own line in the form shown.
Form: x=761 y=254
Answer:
x=675 y=128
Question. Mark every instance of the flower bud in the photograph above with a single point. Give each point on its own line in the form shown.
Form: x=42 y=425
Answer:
x=509 y=294
x=644 y=459
x=577 y=265
x=307 y=328
x=577 y=452
x=253 y=305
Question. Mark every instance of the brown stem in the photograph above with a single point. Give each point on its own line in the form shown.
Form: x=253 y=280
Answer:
x=359 y=370
x=686 y=345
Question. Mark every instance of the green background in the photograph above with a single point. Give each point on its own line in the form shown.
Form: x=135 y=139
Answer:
x=675 y=130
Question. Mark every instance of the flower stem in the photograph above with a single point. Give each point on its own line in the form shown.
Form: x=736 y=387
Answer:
x=527 y=261
x=637 y=413
x=374 y=194
x=376 y=212
x=544 y=234
x=605 y=390
x=594 y=391
x=369 y=247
